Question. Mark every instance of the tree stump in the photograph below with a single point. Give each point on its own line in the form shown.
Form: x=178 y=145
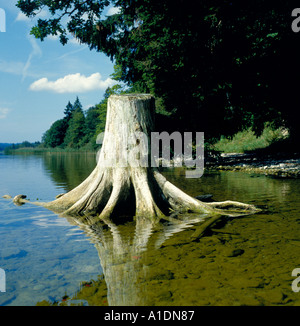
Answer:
x=124 y=183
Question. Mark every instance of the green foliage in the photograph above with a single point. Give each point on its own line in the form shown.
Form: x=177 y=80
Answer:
x=54 y=136
x=68 y=111
x=217 y=66
x=246 y=140
x=91 y=121
x=25 y=145
x=78 y=129
x=76 y=125
x=3 y=146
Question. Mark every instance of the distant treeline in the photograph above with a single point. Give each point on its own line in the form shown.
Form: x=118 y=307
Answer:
x=3 y=146
x=25 y=144
x=78 y=129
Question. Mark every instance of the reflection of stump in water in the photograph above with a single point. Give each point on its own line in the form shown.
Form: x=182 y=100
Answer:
x=120 y=250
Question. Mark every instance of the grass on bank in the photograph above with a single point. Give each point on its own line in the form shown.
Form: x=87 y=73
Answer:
x=246 y=141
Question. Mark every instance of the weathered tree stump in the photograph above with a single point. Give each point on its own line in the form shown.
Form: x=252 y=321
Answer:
x=123 y=182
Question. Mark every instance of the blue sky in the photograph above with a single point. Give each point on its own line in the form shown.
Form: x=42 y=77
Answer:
x=37 y=79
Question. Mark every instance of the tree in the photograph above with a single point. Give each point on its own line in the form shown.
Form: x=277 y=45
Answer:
x=91 y=122
x=76 y=127
x=68 y=112
x=77 y=105
x=54 y=136
x=213 y=60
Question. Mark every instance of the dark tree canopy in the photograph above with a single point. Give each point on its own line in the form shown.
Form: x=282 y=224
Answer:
x=217 y=65
x=55 y=135
x=68 y=131
x=76 y=129
x=68 y=112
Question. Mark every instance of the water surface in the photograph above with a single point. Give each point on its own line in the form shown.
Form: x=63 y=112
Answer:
x=245 y=261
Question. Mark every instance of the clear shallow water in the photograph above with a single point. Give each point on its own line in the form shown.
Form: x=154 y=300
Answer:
x=247 y=261
x=43 y=255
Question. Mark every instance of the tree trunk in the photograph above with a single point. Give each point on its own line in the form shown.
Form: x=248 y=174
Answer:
x=123 y=182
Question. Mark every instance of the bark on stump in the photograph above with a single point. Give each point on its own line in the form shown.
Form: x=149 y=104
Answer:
x=132 y=189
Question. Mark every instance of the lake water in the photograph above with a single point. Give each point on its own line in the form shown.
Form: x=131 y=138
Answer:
x=48 y=259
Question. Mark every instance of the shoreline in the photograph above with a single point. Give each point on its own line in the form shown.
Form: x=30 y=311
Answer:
x=280 y=165
x=283 y=165
x=47 y=150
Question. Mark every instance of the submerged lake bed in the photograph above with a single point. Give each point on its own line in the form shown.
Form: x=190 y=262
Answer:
x=47 y=258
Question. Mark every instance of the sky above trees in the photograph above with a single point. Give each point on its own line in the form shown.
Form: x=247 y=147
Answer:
x=39 y=78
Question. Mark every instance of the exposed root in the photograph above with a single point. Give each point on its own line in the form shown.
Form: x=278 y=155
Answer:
x=66 y=201
x=145 y=202
x=233 y=208
x=119 y=192
x=95 y=197
x=229 y=204
x=20 y=200
x=179 y=200
x=137 y=192
x=183 y=202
